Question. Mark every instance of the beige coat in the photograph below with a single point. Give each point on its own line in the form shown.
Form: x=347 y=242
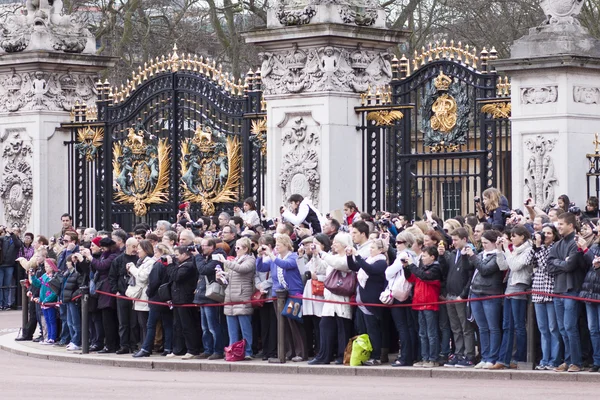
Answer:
x=240 y=274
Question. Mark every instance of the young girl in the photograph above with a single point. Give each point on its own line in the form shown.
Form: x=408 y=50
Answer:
x=46 y=296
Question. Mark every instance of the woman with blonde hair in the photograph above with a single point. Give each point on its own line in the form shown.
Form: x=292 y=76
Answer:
x=240 y=276
x=494 y=204
x=286 y=276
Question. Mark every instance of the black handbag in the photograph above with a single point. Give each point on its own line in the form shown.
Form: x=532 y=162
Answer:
x=164 y=292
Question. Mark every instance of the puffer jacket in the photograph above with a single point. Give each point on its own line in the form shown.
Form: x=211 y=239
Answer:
x=141 y=274
x=591 y=285
x=240 y=274
x=488 y=276
x=206 y=268
x=101 y=267
x=70 y=282
x=427 y=280
x=519 y=262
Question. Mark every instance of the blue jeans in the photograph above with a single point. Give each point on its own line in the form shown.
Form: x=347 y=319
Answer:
x=212 y=339
x=6 y=275
x=428 y=333
x=513 y=325
x=65 y=336
x=74 y=322
x=567 y=314
x=487 y=316
x=593 y=318
x=50 y=317
x=243 y=323
x=550 y=336
x=166 y=315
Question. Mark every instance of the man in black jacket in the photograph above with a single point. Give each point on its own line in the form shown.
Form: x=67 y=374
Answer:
x=118 y=278
x=568 y=266
x=183 y=284
x=460 y=272
x=10 y=244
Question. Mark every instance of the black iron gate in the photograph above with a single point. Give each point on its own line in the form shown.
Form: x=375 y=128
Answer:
x=180 y=130
x=437 y=137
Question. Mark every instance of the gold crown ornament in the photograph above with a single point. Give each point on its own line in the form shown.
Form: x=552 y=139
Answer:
x=442 y=82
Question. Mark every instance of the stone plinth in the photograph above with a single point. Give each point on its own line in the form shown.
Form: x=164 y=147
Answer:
x=555 y=113
x=38 y=90
x=312 y=76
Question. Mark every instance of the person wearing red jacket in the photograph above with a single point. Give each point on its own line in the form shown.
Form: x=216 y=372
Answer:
x=427 y=280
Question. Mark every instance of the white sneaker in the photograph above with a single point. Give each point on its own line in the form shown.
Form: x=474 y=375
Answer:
x=189 y=356
x=480 y=365
x=488 y=365
x=74 y=347
x=69 y=346
x=171 y=355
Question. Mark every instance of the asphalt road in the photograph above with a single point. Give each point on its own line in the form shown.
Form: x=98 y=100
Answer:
x=55 y=380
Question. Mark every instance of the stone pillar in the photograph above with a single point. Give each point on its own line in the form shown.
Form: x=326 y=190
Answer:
x=555 y=76
x=47 y=64
x=317 y=59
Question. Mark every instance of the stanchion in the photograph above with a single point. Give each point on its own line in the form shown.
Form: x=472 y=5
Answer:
x=24 y=306
x=281 y=299
x=85 y=326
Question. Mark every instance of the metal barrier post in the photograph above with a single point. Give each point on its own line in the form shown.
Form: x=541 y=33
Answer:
x=281 y=299
x=85 y=327
x=24 y=306
x=531 y=327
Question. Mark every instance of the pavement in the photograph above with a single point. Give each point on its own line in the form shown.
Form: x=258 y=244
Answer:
x=157 y=362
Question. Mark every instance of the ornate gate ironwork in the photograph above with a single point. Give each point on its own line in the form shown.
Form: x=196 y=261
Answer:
x=180 y=130
x=437 y=137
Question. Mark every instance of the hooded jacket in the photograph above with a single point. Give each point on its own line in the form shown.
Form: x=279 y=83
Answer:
x=488 y=277
x=427 y=280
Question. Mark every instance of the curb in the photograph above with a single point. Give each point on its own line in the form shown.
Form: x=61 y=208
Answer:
x=8 y=344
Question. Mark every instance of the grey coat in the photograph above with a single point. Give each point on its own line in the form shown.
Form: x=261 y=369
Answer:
x=240 y=274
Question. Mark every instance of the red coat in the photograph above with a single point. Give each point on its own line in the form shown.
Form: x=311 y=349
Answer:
x=427 y=285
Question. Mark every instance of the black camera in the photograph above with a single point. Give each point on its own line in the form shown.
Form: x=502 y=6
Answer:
x=506 y=214
x=194 y=225
x=194 y=247
x=164 y=259
x=477 y=200
x=575 y=210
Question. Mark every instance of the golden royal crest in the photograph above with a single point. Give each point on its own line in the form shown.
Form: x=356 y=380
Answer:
x=141 y=170
x=89 y=140
x=210 y=169
x=444 y=113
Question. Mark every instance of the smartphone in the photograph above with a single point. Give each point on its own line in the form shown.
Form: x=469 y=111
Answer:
x=215 y=257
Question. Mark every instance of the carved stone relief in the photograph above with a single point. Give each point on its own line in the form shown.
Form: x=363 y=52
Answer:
x=539 y=94
x=44 y=27
x=26 y=91
x=540 y=180
x=561 y=11
x=300 y=166
x=16 y=189
x=322 y=69
x=586 y=95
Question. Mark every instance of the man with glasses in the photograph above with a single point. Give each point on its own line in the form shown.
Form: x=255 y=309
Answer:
x=229 y=236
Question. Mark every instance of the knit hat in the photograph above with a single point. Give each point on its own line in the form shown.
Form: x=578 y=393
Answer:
x=107 y=242
x=97 y=240
x=182 y=206
x=52 y=264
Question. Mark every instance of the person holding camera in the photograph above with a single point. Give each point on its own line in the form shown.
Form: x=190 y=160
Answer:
x=371 y=282
x=159 y=275
x=487 y=281
x=316 y=269
x=248 y=214
x=567 y=264
x=139 y=272
x=543 y=282
x=183 y=215
x=207 y=263
x=520 y=271
x=494 y=210
x=302 y=211
x=10 y=245
x=590 y=289
x=282 y=265
x=263 y=282
x=119 y=279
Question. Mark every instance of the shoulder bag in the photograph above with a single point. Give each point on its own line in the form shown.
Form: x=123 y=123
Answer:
x=339 y=284
x=214 y=291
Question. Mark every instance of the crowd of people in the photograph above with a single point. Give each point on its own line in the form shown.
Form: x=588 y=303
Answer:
x=448 y=293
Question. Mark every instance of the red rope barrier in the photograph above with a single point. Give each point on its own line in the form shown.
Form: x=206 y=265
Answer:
x=232 y=303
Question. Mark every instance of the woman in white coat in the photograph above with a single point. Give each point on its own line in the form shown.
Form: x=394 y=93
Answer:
x=336 y=319
x=140 y=273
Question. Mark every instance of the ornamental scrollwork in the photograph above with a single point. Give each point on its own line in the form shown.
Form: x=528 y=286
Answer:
x=539 y=94
x=385 y=117
x=540 y=179
x=210 y=169
x=561 y=11
x=445 y=114
x=295 y=16
x=361 y=16
x=498 y=110
x=89 y=140
x=141 y=168
x=259 y=134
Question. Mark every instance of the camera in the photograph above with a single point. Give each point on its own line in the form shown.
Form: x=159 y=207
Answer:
x=268 y=224
x=194 y=247
x=194 y=225
x=575 y=210
x=506 y=213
